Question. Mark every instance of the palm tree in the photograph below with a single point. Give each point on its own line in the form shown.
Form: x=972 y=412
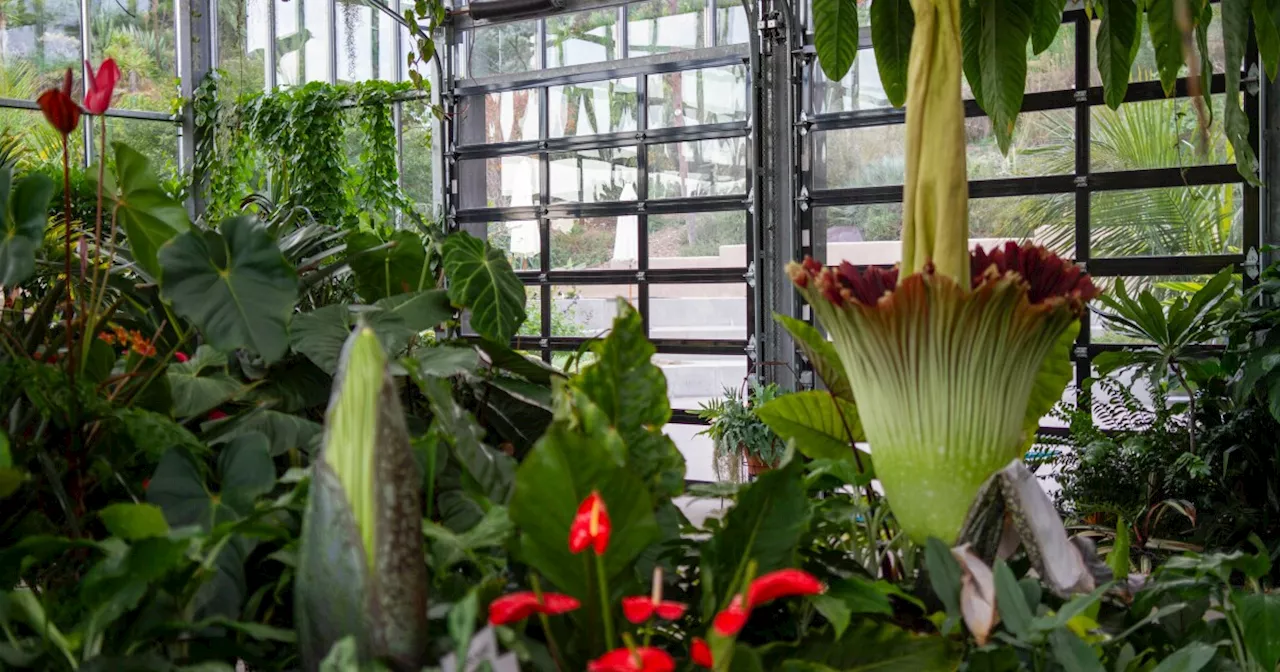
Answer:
x=1170 y=221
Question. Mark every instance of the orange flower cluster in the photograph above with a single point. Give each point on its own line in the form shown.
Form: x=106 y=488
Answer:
x=128 y=339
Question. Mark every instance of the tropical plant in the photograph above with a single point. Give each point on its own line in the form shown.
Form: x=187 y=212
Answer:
x=738 y=433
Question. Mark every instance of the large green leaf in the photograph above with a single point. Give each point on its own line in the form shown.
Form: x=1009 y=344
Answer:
x=1166 y=38
x=1003 y=30
x=766 y=525
x=132 y=522
x=235 y=286
x=1117 y=38
x=1267 y=32
x=1055 y=373
x=492 y=470
x=201 y=383
x=1190 y=658
x=481 y=279
x=397 y=319
x=850 y=596
x=1260 y=616
x=1235 y=34
x=399 y=267
x=23 y=209
x=284 y=431
x=632 y=392
x=567 y=464
x=150 y=218
x=821 y=353
x=1046 y=19
x=892 y=23
x=819 y=423
x=835 y=36
x=883 y=647
x=320 y=334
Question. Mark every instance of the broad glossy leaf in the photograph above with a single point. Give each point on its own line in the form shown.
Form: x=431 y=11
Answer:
x=492 y=470
x=132 y=522
x=1073 y=653
x=870 y=645
x=481 y=280
x=284 y=431
x=444 y=361
x=766 y=525
x=1260 y=616
x=819 y=423
x=1235 y=34
x=246 y=470
x=399 y=318
x=235 y=286
x=566 y=465
x=892 y=23
x=945 y=577
x=1190 y=658
x=821 y=353
x=1268 y=33
x=178 y=488
x=23 y=212
x=1011 y=601
x=146 y=213
x=835 y=36
x=1117 y=38
x=1046 y=19
x=399 y=268
x=1166 y=39
x=1003 y=29
x=850 y=596
x=319 y=334
x=201 y=383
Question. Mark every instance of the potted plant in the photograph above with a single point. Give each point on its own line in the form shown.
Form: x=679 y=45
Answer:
x=739 y=433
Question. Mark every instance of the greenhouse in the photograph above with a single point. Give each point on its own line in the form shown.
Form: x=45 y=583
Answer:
x=650 y=335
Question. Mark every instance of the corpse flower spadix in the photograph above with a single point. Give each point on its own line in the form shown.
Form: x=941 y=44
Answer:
x=943 y=360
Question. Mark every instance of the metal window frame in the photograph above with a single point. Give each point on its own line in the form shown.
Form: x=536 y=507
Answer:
x=461 y=89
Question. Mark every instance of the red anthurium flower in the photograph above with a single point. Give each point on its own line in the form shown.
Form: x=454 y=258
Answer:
x=522 y=605
x=181 y=357
x=591 y=526
x=701 y=653
x=782 y=583
x=730 y=621
x=216 y=415
x=60 y=108
x=642 y=659
x=97 y=97
x=641 y=608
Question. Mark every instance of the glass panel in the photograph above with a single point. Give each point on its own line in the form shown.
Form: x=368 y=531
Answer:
x=140 y=38
x=242 y=45
x=357 y=35
x=689 y=311
x=593 y=175
x=871 y=233
x=1155 y=134
x=698 y=168
x=698 y=240
x=1144 y=65
x=289 y=43
x=1169 y=221
x=389 y=31
x=589 y=109
x=498 y=182
x=859 y=90
x=731 y=25
x=39 y=40
x=508 y=116
x=587 y=311
x=660 y=26
x=504 y=49
x=594 y=243
x=531 y=328
x=415 y=177
x=699 y=457
x=316 y=55
x=1053 y=69
x=875 y=156
x=521 y=240
x=37 y=146
x=572 y=361
x=696 y=379
x=691 y=97
x=156 y=140
x=582 y=37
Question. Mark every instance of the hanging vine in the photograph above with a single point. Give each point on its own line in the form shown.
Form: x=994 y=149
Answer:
x=377 y=189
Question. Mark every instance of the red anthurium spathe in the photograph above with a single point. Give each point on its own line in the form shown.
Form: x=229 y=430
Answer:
x=642 y=659
x=701 y=653
x=519 y=606
x=97 y=95
x=780 y=584
x=730 y=621
x=591 y=527
x=641 y=608
x=181 y=357
x=59 y=108
x=216 y=415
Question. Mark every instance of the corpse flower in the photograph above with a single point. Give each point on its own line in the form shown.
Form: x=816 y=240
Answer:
x=944 y=360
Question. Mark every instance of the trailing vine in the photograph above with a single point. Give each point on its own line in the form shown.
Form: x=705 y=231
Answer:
x=292 y=144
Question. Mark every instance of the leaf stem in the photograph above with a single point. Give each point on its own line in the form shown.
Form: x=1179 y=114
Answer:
x=546 y=624
x=605 y=612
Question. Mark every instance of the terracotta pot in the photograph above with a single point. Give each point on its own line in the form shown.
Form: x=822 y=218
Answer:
x=757 y=466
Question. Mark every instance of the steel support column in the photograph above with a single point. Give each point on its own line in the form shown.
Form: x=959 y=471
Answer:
x=195 y=60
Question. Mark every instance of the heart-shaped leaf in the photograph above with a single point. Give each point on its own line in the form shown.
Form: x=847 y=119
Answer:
x=319 y=334
x=23 y=212
x=386 y=268
x=150 y=218
x=234 y=285
x=201 y=383
x=481 y=279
